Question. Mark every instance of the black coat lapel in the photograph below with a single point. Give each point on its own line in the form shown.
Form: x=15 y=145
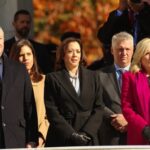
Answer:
x=63 y=78
x=7 y=77
x=84 y=78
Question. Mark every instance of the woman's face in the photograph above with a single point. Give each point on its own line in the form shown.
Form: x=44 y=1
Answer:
x=72 y=55
x=145 y=61
x=26 y=57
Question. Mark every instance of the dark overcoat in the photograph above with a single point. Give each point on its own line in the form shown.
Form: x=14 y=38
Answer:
x=116 y=24
x=110 y=95
x=68 y=112
x=19 y=119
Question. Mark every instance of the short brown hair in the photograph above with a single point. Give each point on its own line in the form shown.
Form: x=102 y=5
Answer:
x=21 y=12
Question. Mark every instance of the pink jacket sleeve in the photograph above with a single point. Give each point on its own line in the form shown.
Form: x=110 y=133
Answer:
x=136 y=122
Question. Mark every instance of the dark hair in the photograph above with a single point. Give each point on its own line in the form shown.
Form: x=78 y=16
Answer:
x=135 y=1
x=15 y=52
x=61 y=52
x=21 y=12
x=70 y=34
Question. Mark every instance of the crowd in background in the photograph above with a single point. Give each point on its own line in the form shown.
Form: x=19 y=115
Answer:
x=54 y=99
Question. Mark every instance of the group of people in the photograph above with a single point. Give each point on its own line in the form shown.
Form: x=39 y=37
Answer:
x=73 y=105
x=126 y=41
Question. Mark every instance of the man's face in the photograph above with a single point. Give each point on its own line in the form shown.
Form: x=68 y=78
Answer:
x=122 y=53
x=1 y=42
x=136 y=7
x=22 y=25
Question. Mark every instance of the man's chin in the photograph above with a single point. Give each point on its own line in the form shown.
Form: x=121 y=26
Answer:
x=124 y=64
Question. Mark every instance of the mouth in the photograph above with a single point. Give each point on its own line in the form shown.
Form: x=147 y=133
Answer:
x=26 y=63
x=123 y=58
x=74 y=61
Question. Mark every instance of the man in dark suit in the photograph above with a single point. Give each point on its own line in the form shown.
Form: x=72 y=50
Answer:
x=44 y=53
x=114 y=126
x=18 y=119
x=131 y=16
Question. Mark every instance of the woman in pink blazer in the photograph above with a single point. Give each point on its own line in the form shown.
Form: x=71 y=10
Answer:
x=136 y=96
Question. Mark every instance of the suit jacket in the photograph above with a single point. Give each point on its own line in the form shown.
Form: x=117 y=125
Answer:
x=110 y=95
x=43 y=124
x=45 y=54
x=68 y=112
x=116 y=24
x=135 y=105
x=19 y=119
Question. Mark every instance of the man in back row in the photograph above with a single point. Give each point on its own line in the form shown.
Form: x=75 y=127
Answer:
x=131 y=16
x=22 y=25
x=114 y=127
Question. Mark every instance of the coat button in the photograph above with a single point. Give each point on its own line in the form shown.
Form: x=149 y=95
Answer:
x=4 y=124
x=2 y=107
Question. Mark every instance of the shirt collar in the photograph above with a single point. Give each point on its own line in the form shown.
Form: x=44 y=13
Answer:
x=125 y=68
x=16 y=38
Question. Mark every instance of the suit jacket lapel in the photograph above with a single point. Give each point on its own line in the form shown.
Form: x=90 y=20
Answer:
x=7 y=78
x=67 y=85
x=83 y=83
x=113 y=78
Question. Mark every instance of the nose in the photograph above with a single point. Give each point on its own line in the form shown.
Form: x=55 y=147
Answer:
x=124 y=51
x=74 y=53
x=26 y=24
x=25 y=57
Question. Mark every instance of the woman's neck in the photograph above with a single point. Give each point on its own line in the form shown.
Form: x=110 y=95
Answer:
x=73 y=72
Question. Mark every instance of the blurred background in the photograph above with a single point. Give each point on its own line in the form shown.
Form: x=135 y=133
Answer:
x=54 y=17
x=51 y=18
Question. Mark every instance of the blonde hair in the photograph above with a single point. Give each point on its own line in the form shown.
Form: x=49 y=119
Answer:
x=141 y=49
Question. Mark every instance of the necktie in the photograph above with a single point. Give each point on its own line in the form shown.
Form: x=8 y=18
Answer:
x=120 y=72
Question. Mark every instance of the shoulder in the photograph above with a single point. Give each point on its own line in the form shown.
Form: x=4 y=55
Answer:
x=114 y=13
x=53 y=75
x=106 y=70
x=87 y=72
x=8 y=44
x=15 y=66
x=11 y=62
x=129 y=76
x=11 y=40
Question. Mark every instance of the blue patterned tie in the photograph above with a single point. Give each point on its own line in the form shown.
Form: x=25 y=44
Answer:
x=120 y=72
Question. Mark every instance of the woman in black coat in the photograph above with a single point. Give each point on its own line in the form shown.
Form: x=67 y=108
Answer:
x=73 y=104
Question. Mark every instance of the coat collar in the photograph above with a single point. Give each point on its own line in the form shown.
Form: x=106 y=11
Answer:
x=63 y=79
